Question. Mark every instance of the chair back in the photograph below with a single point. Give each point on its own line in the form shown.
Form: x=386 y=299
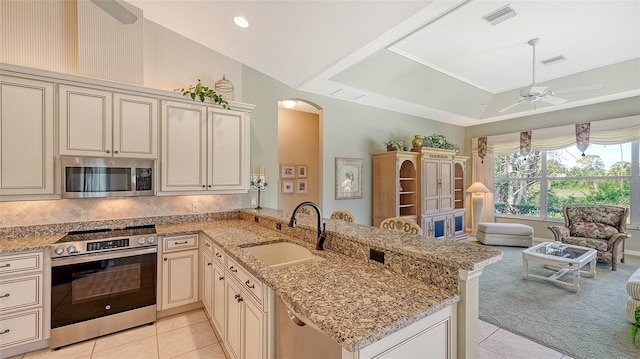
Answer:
x=608 y=216
x=343 y=216
x=401 y=225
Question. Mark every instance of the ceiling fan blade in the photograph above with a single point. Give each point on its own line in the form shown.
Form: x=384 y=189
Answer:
x=553 y=100
x=117 y=11
x=577 y=89
x=512 y=106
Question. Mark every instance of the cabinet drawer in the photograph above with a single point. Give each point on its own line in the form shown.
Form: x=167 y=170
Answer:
x=22 y=292
x=208 y=246
x=178 y=243
x=218 y=255
x=20 y=328
x=249 y=283
x=19 y=263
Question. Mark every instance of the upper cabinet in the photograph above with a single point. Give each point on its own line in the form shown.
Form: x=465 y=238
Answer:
x=203 y=149
x=26 y=138
x=101 y=123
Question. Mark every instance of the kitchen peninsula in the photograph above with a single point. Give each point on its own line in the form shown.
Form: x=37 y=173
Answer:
x=354 y=300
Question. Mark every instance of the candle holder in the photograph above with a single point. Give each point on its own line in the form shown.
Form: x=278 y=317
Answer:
x=259 y=184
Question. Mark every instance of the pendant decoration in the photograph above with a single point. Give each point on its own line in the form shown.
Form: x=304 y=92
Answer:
x=525 y=143
x=582 y=136
x=482 y=148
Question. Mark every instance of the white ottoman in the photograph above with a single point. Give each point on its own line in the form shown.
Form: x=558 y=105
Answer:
x=505 y=234
x=633 y=289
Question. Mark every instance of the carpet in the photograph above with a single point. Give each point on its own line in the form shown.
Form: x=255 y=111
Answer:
x=584 y=325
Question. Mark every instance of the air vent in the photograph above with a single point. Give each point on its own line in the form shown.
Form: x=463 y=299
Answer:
x=553 y=60
x=500 y=15
x=346 y=94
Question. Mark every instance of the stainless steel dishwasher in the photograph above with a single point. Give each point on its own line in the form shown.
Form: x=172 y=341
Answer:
x=296 y=339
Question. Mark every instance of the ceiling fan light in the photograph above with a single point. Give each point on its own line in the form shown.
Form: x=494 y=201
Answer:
x=500 y=15
x=241 y=22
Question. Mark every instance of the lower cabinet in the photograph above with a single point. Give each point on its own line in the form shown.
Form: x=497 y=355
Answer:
x=450 y=225
x=179 y=271
x=219 y=286
x=207 y=283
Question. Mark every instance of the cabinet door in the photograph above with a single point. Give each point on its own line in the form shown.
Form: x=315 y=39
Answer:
x=179 y=278
x=26 y=137
x=135 y=126
x=218 y=299
x=446 y=186
x=228 y=151
x=184 y=144
x=233 y=337
x=430 y=186
x=253 y=329
x=85 y=121
x=207 y=283
x=459 y=224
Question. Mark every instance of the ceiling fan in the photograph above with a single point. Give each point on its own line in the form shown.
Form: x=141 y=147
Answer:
x=537 y=93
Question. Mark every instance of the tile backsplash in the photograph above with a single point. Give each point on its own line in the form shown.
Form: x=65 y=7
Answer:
x=26 y=213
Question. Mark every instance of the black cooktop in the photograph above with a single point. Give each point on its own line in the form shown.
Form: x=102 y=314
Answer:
x=106 y=233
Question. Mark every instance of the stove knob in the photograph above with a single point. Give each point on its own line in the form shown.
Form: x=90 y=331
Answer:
x=141 y=241
x=59 y=251
x=72 y=250
x=151 y=239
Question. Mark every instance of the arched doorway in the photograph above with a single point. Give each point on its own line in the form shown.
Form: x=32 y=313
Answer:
x=299 y=153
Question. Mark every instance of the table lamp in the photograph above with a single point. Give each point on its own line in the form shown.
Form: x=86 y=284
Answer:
x=477 y=202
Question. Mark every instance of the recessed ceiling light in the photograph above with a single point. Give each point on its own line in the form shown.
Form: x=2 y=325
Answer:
x=500 y=15
x=289 y=103
x=240 y=21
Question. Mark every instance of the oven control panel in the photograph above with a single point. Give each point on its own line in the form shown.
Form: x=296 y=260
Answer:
x=66 y=249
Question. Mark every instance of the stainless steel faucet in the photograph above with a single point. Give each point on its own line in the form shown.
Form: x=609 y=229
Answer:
x=321 y=226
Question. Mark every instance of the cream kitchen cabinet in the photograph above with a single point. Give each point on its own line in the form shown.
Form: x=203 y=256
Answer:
x=26 y=139
x=101 y=123
x=179 y=271
x=23 y=311
x=248 y=307
x=206 y=271
x=204 y=149
x=218 y=287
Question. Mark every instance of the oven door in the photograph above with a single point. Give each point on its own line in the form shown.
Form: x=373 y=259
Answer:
x=97 y=285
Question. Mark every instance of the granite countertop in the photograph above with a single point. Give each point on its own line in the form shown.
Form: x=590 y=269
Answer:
x=355 y=302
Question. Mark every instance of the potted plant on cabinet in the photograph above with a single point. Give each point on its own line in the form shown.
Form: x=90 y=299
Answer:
x=395 y=145
x=203 y=92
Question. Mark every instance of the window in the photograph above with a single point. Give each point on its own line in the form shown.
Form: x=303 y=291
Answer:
x=542 y=182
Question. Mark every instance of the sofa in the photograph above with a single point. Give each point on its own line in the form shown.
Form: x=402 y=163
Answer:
x=633 y=289
x=602 y=228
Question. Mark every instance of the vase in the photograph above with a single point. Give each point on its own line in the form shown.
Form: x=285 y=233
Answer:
x=417 y=141
x=391 y=148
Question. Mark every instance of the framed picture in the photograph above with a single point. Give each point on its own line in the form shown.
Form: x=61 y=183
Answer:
x=287 y=171
x=348 y=178
x=287 y=187
x=302 y=171
x=302 y=186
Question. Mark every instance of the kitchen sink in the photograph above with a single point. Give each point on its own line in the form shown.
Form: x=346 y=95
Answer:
x=282 y=254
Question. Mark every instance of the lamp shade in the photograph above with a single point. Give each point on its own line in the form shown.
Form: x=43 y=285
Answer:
x=477 y=187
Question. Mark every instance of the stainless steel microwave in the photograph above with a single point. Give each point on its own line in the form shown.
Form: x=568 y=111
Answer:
x=84 y=177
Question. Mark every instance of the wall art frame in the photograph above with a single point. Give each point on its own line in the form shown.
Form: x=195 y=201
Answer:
x=348 y=178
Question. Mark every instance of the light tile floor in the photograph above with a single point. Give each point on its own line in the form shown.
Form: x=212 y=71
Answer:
x=190 y=336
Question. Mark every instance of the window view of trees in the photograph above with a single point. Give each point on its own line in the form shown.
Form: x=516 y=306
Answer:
x=542 y=182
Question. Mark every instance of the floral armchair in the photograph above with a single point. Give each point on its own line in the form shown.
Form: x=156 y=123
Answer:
x=598 y=227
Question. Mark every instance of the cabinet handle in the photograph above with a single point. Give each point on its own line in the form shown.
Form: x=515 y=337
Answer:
x=5 y=296
x=218 y=255
x=5 y=331
x=233 y=269
x=209 y=186
x=249 y=286
x=177 y=243
x=208 y=245
x=220 y=278
x=165 y=259
x=6 y=265
x=116 y=152
x=107 y=151
x=209 y=263
x=236 y=296
x=203 y=186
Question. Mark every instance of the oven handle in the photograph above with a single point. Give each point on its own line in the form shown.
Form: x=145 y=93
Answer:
x=56 y=262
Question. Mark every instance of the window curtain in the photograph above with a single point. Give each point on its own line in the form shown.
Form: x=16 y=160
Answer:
x=605 y=132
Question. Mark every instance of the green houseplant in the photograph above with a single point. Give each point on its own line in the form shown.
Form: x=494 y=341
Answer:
x=203 y=92
x=634 y=329
x=395 y=145
x=438 y=141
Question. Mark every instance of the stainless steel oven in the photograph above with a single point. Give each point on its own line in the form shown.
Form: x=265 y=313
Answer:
x=102 y=282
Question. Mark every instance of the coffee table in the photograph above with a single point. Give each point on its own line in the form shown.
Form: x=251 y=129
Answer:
x=562 y=257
